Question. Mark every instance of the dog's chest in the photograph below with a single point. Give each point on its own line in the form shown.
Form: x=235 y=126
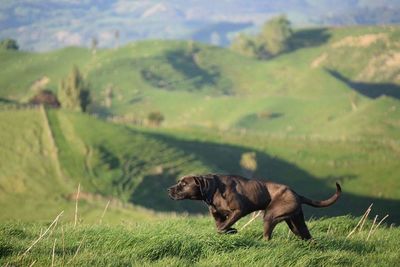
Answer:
x=221 y=205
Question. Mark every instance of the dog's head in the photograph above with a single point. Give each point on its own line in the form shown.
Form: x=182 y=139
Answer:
x=194 y=187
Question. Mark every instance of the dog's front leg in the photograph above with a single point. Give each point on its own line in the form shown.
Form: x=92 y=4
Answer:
x=232 y=218
x=220 y=220
x=218 y=217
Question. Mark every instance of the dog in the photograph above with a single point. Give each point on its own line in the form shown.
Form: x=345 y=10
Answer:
x=230 y=197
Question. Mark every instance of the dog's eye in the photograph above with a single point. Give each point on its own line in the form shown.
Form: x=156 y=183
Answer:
x=183 y=184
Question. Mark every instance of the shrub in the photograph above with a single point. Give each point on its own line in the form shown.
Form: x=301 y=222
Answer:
x=155 y=118
x=9 y=44
x=248 y=162
x=46 y=98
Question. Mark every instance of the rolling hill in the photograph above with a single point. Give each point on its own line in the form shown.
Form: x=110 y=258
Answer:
x=320 y=113
x=46 y=154
x=135 y=165
x=332 y=72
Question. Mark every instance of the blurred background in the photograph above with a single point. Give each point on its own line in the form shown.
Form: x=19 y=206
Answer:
x=121 y=98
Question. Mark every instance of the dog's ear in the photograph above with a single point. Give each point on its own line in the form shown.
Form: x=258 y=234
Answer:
x=196 y=181
x=210 y=186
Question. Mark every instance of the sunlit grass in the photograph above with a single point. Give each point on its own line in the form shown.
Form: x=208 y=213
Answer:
x=193 y=241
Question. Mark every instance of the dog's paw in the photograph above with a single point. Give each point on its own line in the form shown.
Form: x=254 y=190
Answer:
x=229 y=231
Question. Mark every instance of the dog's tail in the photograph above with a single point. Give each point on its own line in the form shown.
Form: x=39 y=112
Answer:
x=323 y=203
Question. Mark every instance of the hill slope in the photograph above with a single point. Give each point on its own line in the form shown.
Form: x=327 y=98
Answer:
x=46 y=154
x=329 y=74
x=136 y=166
x=310 y=124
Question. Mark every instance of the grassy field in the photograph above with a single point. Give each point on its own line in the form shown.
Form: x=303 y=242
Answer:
x=193 y=241
x=327 y=111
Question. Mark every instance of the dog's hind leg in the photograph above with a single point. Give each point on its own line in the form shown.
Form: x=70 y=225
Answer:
x=299 y=226
x=292 y=227
x=269 y=225
x=274 y=214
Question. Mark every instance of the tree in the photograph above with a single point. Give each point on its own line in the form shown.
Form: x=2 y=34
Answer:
x=274 y=37
x=9 y=44
x=73 y=92
x=244 y=45
x=271 y=41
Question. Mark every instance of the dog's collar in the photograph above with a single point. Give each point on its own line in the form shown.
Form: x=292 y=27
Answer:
x=205 y=199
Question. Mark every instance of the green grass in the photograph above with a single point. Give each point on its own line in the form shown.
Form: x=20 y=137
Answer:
x=366 y=169
x=193 y=241
x=41 y=173
x=136 y=165
x=217 y=88
x=31 y=187
x=44 y=160
x=306 y=124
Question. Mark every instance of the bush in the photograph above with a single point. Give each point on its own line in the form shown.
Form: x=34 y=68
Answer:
x=9 y=44
x=46 y=98
x=248 y=162
x=155 y=118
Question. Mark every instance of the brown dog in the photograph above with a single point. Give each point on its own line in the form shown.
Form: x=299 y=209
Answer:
x=230 y=197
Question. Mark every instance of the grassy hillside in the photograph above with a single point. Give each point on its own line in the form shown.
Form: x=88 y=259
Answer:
x=193 y=241
x=32 y=184
x=330 y=74
x=22 y=71
x=311 y=116
x=46 y=154
x=132 y=165
x=367 y=169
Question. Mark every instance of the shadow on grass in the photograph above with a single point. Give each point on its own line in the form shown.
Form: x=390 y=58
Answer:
x=185 y=63
x=192 y=77
x=225 y=158
x=306 y=38
x=152 y=193
x=309 y=38
x=371 y=90
x=253 y=119
x=7 y=101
